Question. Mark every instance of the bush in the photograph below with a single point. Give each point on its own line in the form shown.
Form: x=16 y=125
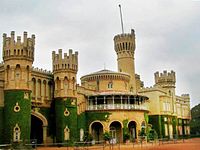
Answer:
x=152 y=135
x=106 y=136
x=126 y=137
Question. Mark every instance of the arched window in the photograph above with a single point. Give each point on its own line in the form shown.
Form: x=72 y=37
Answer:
x=17 y=72
x=66 y=133
x=65 y=83
x=17 y=132
x=110 y=85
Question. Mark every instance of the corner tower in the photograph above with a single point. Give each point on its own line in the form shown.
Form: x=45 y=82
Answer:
x=125 y=48
x=18 y=57
x=65 y=70
x=167 y=80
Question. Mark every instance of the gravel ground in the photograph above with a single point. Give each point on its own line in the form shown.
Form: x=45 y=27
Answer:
x=190 y=144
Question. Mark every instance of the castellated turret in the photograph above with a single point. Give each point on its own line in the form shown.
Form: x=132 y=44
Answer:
x=18 y=57
x=65 y=70
x=18 y=49
x=125 y=48
x=165 y=79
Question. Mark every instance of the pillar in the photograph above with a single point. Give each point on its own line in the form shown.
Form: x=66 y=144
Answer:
x=96 y=103
x=113 y=98
x=104 y=102
x=44 y=134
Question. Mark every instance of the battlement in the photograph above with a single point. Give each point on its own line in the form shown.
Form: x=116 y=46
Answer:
x=165 y=79
x=186 y=97
x=41 y=71
x=1 y=64
x=19 y=49
x=69 y=62
x=125 y=42
x=122 y=36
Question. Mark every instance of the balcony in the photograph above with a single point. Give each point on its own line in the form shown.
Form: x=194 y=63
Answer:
x=116 y=101
x=143 y=107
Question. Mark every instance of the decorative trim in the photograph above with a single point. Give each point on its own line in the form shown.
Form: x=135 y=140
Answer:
x=17 y=107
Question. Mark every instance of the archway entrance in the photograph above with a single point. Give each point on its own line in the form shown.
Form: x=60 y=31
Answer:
x=132 y=130
x=97 y=131
x=116 y=132
x=39 y=126
x=36 y=129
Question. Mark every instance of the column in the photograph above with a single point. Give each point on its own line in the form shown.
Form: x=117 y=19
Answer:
x=88 y=103
x=42 y=91
x=121 y=102
x=128 y=102
x=113 y=98
x=96 y=103
x=104 y=102
x=44 y=134
x=36 y=90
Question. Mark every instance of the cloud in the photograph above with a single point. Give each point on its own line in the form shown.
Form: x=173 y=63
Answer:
x=167 y=34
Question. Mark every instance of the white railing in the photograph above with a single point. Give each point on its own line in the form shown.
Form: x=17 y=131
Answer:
x=117 y=106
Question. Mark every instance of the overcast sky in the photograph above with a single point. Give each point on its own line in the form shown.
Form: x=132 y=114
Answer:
x=167 y=34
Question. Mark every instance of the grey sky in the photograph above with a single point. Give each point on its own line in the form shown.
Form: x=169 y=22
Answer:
x=167 y=34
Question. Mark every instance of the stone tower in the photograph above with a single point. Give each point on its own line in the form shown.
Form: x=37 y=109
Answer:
x=18 y=57
x=65 y=71
x=167 y=80
x=125 y=48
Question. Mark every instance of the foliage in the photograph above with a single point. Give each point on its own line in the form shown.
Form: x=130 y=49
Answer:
x=62 y=121
x=195 y=121
x=22 y=118
x=1 y=125
x=88 y=137
x=106 y=136
x=152 y=135
x=142 y=132
x=92 y=116
x=126 y=136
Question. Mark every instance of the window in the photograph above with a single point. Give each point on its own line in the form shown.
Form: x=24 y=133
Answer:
x=110 y=85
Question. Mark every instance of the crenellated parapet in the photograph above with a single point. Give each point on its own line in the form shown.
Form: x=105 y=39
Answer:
x=1 y=64
x=165 y=79
x=42 y=71
x=18 y=49
x=125 y=43
x=186 y=97
x=69 y=62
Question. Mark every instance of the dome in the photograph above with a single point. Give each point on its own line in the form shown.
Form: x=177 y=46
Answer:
x=105 y=74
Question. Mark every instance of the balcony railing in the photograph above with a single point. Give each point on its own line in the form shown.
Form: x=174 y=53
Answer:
x=117 y=106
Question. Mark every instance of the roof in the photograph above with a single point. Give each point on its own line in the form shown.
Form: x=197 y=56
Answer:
x=105 y=71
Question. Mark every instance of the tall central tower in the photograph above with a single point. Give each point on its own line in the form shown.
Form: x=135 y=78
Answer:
x=125 y=48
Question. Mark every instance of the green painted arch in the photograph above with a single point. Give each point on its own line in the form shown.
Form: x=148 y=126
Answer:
x=40 y=116
x=96 y=121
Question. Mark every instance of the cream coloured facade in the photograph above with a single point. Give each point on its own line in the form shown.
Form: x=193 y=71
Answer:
x=106 y=101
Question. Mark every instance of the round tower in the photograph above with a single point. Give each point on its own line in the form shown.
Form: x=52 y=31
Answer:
x=167 y=80
x=65 y=94
x=18 y=57
x=125 y=48
x=65 y=70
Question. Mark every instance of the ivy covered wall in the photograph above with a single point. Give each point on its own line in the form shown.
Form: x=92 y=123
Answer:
x=156 y=122
x=22 y=117
x=92 y=116
x=48 y=113
x=66 y=116
x=1 y=125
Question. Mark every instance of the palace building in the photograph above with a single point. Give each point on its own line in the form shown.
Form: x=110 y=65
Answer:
x=51 y=107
